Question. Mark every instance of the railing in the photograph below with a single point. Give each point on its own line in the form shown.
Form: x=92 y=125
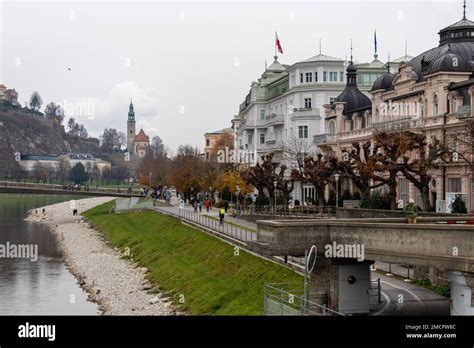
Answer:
x=399 y=125
x=73 y=188
x=285 y=211
x=286 y=299
x=271 y=118
x=464 y=112
x=324 y=138
x=375 y=293
x=229 y=229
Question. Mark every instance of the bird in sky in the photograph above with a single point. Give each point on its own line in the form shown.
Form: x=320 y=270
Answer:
x=69 y=69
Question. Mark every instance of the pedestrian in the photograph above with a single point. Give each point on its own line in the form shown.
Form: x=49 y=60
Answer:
x=226 y=205
x=200 y=206
x=44 y=211
x=221 y=216
x=411 y=211
x=207 y=204
x=195 y=205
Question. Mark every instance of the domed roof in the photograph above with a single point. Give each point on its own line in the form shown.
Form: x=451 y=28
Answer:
x=449 y=62
x=351 y=95
x=383 y=81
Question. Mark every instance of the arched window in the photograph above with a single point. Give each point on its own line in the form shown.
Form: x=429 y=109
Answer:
x=455 y=104
x=435 y=105
x=332 y=128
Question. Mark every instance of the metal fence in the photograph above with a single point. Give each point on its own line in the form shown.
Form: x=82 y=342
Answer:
x=374 y=293
x=54 y=187
x=283 y=210
x=286 y=299
x=232 y=230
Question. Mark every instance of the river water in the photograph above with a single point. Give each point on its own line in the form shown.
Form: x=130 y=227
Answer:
x=42 y=287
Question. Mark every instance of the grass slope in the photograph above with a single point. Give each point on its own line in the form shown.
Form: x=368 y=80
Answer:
x=186 y=261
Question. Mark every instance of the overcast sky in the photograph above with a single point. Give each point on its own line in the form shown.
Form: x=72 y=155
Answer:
x=188 y=65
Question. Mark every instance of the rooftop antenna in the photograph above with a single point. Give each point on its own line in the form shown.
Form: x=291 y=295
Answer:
x=265 y=65
x=388 y=62
x=464 y=10
x=319 y=45
x=406 y=49
x=375 y=44
x=351 y=51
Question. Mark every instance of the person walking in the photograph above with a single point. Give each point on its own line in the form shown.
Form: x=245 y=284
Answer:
x=200 y=206
x=411 y=211
x=207 y=204
x=221 y=216
x=226 y=205
x=195 y=205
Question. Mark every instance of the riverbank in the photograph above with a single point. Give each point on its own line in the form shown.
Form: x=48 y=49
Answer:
x=203 y=275
x=111 y=281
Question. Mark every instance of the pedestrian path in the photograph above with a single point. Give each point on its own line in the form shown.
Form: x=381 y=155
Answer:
x=211 y=222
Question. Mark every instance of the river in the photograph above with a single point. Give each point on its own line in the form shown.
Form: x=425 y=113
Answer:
x=42 y=287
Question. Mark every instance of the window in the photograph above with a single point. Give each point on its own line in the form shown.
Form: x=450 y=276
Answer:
x=341 y=76
x=315 y=76
x=435 y=105
x=309 y=77
x=454 y=185
x=404 y=185
x=262 y=138
x=250 y=139
x=455 y=104
x=303 y=132
x=301 y=78
x=307 y=103
x=325 y=76
x=262 y=114
x=332 y=128
x=332 y=100
x=333 y=76
x=207 y=142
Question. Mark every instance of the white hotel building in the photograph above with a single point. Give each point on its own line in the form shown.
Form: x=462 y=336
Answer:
x=285 y=106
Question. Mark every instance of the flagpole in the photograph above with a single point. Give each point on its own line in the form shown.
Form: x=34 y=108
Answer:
x=276 y=44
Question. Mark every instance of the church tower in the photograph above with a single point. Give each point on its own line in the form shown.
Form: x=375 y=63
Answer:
x=130 y=129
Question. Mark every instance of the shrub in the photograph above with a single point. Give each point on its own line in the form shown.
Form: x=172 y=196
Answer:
x=376 y=200
x=459 y=207
x=346 y=195
x=262 y=200
x=356 y=195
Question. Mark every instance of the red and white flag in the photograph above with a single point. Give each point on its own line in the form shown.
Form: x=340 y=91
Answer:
x=278 y=44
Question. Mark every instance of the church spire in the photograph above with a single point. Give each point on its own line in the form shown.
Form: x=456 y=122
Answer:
x=131 y=113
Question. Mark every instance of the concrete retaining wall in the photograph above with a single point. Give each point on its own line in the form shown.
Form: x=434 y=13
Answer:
x=355 y=213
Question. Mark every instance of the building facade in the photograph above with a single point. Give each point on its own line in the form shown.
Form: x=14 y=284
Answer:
x=284 y=109
x=431 y=95
x=137 y=144
x=211 y=138
x=28 y=162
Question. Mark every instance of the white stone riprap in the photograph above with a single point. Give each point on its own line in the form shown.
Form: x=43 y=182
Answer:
x=113 y=282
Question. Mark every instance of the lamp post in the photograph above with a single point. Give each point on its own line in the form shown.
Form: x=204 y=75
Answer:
x=275 y=185
x=336 y=176
x=237 y=192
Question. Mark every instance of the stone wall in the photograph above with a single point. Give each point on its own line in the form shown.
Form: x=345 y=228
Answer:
x=355 y=213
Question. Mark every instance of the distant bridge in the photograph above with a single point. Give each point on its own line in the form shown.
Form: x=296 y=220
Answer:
x=50 y=189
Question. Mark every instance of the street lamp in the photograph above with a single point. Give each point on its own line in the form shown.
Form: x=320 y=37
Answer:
x=275 y=185
x=336 y=176
x=237 y=192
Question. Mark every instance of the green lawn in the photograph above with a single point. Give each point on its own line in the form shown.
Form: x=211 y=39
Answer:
x=186 y=261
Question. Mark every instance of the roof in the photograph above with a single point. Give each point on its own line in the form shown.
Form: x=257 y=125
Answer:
x=142 y=137
x=276 y=66
x=351 y=95
x=322 y=57
x=220 y=131
x=373 y=64
x=462 y=23
x=405 y=58
x=383 y=81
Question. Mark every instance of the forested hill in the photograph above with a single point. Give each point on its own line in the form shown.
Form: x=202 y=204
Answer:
x=30 y=134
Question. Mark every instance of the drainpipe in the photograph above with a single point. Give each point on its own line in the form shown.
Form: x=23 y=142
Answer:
x=445 y=119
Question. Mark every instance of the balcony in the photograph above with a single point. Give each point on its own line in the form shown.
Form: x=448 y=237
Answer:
x=355 y=134
x=464 y=112
x=402 y=124
x=302 y=113
x=324 y=139
x=271 y=120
